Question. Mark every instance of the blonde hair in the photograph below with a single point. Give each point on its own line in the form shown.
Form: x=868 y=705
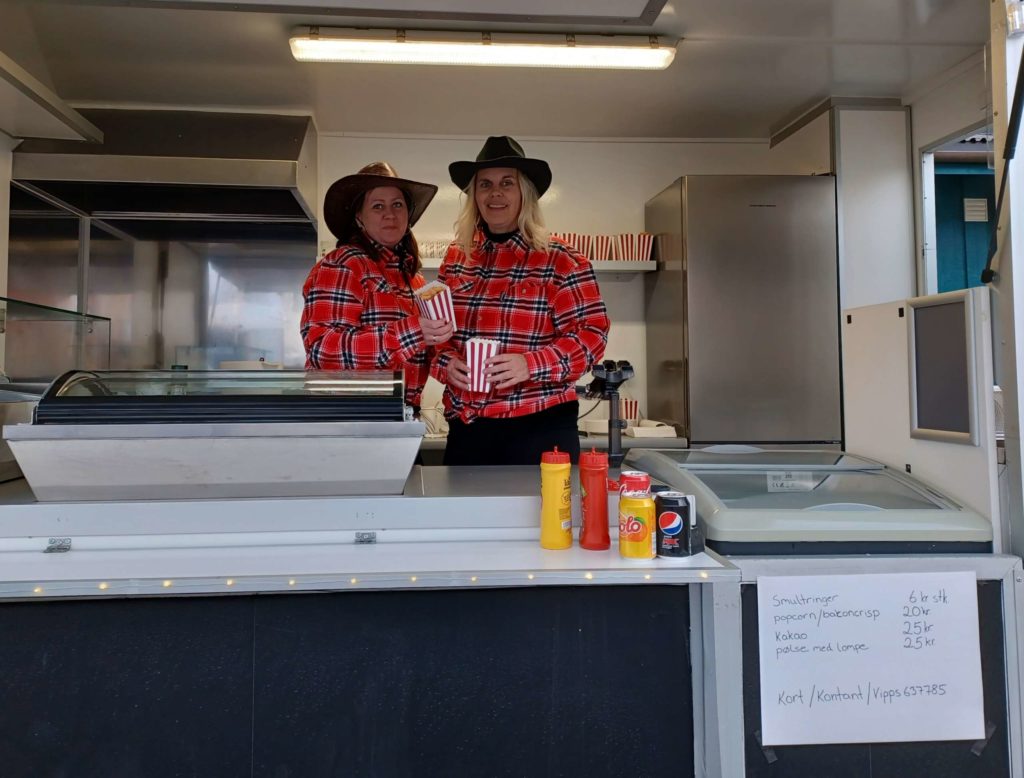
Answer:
x=530 y=223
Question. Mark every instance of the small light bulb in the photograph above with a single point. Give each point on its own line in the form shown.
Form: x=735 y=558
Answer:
x=354 y=580
x=413 y=579
x=230 y=582
x=703 y=574
x=647 y=576
x=530 y=576
x=588 y=576
x=167 y=584
x=104 y=586
x=38 y=590
x=473 y=579
x=291 y=582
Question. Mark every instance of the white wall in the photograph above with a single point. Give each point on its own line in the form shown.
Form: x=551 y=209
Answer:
x=600 y=186
x=877 y=260
x=876 y=385
x=812 y=143
x=950 y=104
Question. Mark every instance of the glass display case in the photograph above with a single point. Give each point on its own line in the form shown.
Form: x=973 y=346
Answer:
x=42 y=342
x=756 y=501
x=221 y=396
x=192 y=434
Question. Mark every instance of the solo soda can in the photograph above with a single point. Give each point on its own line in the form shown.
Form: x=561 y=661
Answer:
x=636 y=525
x=634 y=481
x=673 y=510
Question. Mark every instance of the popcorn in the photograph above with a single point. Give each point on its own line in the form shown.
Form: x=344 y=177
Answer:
x=434 y=301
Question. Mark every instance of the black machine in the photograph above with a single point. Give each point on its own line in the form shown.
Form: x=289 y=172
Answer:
x=608 y=377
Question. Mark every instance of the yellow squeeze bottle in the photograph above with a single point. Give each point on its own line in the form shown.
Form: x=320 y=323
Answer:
x=555 y=494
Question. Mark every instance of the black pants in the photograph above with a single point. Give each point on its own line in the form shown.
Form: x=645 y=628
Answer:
x=516 y=441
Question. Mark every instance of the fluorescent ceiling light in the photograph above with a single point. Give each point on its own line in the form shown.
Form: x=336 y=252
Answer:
x=409 y=47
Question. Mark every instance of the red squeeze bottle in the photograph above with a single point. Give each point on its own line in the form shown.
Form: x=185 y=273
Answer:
x=594 y=494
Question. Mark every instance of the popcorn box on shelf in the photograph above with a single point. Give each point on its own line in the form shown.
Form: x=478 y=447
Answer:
x=603 y=247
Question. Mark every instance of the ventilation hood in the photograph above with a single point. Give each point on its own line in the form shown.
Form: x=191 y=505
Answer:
x=183 y=175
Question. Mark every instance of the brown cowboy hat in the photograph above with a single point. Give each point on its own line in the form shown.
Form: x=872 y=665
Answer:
x=341 y=199
x=502 y=151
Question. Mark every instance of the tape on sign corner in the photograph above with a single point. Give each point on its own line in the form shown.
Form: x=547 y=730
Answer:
x=979 y=745
x=769 y=753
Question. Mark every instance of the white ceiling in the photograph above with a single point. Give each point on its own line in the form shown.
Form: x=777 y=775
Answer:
x=744 y=67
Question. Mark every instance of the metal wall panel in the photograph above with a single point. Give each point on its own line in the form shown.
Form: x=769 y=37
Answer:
x=762 y=308
x=743 y=321
x=665 y=310
x=254 y=301
x=170 y=302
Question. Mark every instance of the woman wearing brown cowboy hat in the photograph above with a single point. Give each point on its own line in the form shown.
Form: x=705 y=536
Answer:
x=535 y=295
x=359 y=311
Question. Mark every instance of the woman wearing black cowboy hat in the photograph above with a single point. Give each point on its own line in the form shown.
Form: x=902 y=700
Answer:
x=537 y=296
x=359 y=308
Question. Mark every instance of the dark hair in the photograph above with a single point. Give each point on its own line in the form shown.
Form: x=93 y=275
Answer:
x=408 y=249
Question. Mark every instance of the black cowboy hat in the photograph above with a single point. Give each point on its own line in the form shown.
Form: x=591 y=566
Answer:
x=502 y=151
x=340 y=201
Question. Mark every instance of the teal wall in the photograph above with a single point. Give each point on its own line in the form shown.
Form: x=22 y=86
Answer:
x=962 y=247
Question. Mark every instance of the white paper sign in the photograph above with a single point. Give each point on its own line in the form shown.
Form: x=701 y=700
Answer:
x=869 y=658
x=791 y=481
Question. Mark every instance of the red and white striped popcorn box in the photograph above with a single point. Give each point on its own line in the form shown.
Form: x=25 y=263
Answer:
x=435 y=302
x=632 y=252
x=585 y=245
x=621 y=247
x=477 y=352
x=646 y=245
x=629 y=410
x=602 y=247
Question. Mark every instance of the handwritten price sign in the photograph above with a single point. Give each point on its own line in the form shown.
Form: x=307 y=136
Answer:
x=869 y=658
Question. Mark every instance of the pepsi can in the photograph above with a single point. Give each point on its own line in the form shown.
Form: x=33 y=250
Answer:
x=674 y=512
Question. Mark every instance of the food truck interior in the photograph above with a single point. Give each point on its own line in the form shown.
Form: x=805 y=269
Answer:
x=217 y=564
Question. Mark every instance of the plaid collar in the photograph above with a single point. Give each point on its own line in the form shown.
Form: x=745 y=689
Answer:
x=483 y=242
x=397 y=258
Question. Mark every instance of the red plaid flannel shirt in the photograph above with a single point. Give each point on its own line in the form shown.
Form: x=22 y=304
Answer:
x=359 y=314
x=543 y=304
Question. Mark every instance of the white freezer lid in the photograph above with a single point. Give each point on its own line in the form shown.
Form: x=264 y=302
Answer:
x=815 y=504
x=738 y=457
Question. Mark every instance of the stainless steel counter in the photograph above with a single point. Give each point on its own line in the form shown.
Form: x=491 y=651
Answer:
x=454 y=527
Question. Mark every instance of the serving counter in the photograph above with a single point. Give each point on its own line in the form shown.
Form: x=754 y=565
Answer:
x=423 y=632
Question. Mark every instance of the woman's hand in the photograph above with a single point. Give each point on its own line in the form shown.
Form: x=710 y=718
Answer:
x=436 y=331
x=458 y=374
x=505 y=370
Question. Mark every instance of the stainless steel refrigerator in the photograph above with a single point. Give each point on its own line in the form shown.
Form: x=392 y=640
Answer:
x=743 y=311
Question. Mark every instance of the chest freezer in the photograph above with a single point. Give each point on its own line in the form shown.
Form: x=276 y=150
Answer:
x=790 y=502
x=169 y=434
